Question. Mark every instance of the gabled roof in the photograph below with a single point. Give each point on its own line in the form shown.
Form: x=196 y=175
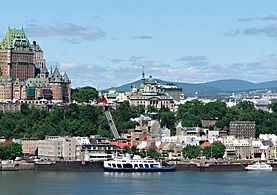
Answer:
x=65 y=78
x=14 y=36
x=56 y=77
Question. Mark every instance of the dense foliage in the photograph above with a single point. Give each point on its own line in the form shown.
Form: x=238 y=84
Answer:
x=216 y=150
x=10 y=151
x=76 y=120
x=153 y=153
x=71 y=120
x=191 y=152
x=84 y=94
x=191 y=113
x=122 y=115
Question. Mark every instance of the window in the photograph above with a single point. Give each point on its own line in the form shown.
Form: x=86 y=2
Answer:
x=127 y=166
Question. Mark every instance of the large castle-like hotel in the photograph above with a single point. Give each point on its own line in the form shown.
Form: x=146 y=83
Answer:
x=23 y=72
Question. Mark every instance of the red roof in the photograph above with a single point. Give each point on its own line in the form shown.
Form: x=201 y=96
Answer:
x=120 y=143
x=8 y=142
x=103 y=100
x=205 y=144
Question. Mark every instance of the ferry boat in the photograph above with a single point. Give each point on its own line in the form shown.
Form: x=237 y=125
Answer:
x=259 y=167
x=135 y=164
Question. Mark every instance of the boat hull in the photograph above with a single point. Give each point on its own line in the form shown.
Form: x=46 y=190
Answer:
x=161 y=169
x=258 y=169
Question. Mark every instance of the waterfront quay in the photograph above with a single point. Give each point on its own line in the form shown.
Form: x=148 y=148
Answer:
x=98 y=166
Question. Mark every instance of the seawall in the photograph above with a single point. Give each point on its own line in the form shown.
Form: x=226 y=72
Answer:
x=69 y=166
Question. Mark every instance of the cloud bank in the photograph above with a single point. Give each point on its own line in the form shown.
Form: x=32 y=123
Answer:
x=76 y=32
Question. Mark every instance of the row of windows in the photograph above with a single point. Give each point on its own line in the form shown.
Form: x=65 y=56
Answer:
x=132 y=165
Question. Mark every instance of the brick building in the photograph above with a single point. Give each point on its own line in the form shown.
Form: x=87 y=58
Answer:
x=23 y=72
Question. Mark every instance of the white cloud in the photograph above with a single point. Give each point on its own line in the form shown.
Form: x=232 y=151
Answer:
x=75 y=32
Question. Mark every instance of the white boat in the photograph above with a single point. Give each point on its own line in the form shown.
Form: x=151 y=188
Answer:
x=135 y=164
x=259 y=167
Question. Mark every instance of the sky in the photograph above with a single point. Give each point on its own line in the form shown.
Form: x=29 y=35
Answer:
x=107 y=43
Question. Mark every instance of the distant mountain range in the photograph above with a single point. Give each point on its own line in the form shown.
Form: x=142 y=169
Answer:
x=230 y=85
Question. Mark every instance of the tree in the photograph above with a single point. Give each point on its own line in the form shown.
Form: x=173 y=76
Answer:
x=167 y=119
x=139 y=109
x=273 y=106
x=84 y=94
x=217 y=150
x=151 y=109
x=126 y=149
x=122 y=115
x=24 y=108
x=153 y=153
x=246 y=106
x=10 y=151
x=191 y=152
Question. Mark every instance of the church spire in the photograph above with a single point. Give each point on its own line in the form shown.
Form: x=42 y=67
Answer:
x=143 y=75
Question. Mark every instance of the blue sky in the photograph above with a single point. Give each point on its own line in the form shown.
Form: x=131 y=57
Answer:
x=106 y=43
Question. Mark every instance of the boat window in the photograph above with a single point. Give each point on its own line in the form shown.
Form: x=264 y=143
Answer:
x=135 y=165
x=146 y=166
x=119 y=166
x=113 y=165
x=109 y=164
x=140 y=165
x=151 y=165
x=128 y=166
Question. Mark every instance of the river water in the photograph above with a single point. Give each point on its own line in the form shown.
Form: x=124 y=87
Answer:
x=179 y=182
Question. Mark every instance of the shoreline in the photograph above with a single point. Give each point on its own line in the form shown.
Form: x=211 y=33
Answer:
x=98 y=166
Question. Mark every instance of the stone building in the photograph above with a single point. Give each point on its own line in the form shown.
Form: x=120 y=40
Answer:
x=23 y=72
x=150 y=93
x=242 y=129
x=58 y=148
x=29 y=146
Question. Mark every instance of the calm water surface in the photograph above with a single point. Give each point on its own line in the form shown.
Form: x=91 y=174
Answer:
x=179 y=182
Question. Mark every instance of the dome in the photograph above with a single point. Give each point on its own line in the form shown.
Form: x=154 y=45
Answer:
x=142 y=85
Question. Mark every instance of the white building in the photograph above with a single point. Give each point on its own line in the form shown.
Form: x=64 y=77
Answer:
x=57 y=148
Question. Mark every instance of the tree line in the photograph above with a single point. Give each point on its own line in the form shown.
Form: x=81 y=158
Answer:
x=215 y=150
x=191 y=113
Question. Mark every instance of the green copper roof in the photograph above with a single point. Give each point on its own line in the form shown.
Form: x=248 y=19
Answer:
x=13 y=37
x=44 y=70
x=36 y=47
x=38 y=82
x=142 y=85
x=4 y=80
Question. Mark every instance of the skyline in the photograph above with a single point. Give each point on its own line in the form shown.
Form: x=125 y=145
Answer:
x=106 y=44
